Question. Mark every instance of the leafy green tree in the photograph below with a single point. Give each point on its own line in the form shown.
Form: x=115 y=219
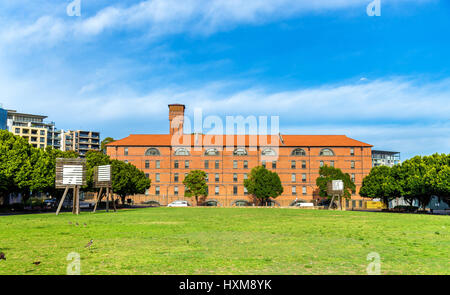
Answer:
x=104 y=143
x=44 y=169
x=196 y=186
x=263 y=184
x=411 y=174
x=437 y=177
x=15 y=165
x=328 y=174
x=381 y=183
x=128 y=180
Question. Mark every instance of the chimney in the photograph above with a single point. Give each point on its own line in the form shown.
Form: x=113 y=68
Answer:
x=176 y=118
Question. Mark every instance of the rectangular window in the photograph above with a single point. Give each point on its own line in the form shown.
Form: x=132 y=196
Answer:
x=206 y=164
x=303 y=164
x=245 y=164
x=245 y=175
x=175 y=177
x=42 y=139
x=274 y=164
x=321 y=163
x=216 y=165
x=235 y=190
x=347 y=203
x=245 y=191
x=186 y=164
x=264 y=164
x=217 y=177
x=304 y=191
x=147 y=164
x=332 y=163
x=235 y=164
x=216 y=191
x=157 y=190
x=42 y=132
x=147 y=175
x=353 y=203
x=125 y=152
x=175 y=190
x=360 y=204
x=293 y=164
x=294 y=190
x=235 y=177
x=157 y=177
x=352 y=164
x=304 y=177
x=17 y=130
x=293 y=177
x=157 y=164
x=352 y=151
x=207 y=177
x=176 y=164
x=353 y=177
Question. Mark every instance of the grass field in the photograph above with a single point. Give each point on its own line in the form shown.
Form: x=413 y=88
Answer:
x=226 y=241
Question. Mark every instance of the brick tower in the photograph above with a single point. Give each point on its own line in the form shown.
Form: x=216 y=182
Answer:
x=176 y=118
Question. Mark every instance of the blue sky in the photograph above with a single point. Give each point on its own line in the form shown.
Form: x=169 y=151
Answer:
x=323 y=67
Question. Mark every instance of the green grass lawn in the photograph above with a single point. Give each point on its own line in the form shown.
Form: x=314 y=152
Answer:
x=226 y=241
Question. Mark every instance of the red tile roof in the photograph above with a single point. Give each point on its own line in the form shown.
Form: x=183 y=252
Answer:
x=214 y=140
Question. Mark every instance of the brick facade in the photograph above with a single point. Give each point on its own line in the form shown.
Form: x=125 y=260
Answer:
x=156 y=155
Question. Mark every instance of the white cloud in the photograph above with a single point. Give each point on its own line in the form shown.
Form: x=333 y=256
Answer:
x=161 y=17
x=398 y=113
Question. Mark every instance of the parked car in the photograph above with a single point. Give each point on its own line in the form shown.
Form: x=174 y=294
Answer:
x=179 y=204
x=50 y=204
x=83 y=205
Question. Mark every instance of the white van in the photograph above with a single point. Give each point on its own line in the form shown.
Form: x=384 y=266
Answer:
x=179 y=204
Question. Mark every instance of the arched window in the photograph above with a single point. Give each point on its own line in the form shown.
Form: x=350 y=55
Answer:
x=326 y=152
x=298 y=152
x=181 y=152
x=211 y=152
x=152 y=152
x=240 y=152
x=268 y=152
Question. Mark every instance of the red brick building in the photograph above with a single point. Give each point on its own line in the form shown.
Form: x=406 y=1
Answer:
x=228 y=159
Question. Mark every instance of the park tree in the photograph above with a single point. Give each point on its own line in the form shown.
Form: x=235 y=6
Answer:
x=128 y=180
x=195 y=183
x=437 y=177
x=381 y=183
x=327 y=174
x=411 y=176
x=44 y=169
x=263 y=184
x=104 y=143
x=15 y=165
